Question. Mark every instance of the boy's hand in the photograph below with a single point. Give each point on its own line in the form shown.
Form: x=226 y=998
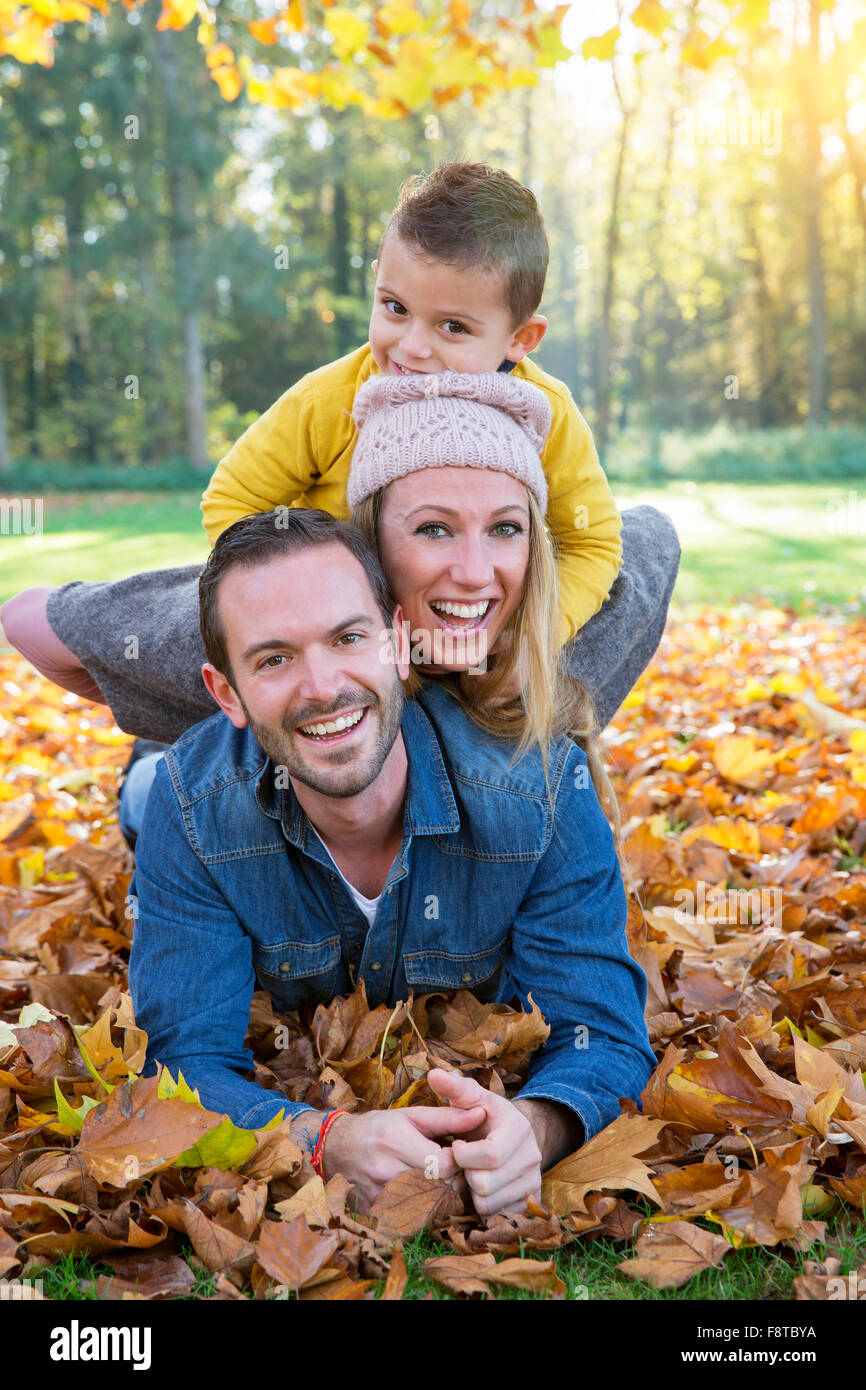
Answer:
x=500 y=1157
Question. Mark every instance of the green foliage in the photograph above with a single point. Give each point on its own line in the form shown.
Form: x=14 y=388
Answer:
x=727 y=455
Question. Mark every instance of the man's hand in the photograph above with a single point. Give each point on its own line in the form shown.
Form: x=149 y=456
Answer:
x=500 y=1156
x=372 y=1148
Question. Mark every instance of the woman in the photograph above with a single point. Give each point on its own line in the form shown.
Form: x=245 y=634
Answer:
x=135 y=644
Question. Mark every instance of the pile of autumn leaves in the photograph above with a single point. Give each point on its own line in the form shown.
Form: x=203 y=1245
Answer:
x=740 y=763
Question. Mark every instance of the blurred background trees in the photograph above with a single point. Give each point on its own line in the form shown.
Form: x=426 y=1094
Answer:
x=171 y=260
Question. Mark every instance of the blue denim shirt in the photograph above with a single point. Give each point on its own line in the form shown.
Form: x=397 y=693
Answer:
x=489 y=892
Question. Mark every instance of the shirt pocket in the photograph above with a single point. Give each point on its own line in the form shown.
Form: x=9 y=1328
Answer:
x=478 y=971
x=299 y=972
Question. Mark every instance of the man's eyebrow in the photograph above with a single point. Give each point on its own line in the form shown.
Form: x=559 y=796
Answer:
x=450 y=511
x=440 y=313
x=280 y=643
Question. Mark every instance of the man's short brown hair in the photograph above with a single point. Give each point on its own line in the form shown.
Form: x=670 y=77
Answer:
x=474 y=215
x=265 y=536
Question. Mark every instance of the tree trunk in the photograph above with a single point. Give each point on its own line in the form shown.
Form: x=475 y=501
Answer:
x=811 y=78
x=766 y=338
x=183 y=242
x=77 y=376
x=656 y=295
x=611 y=254
x=5 y=451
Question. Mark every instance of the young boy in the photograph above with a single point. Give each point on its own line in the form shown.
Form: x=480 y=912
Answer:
x=459 y=277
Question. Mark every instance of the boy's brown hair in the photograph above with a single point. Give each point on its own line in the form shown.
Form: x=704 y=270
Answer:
x=474 y=215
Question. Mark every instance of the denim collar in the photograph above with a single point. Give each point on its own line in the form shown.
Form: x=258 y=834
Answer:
x=429 y=807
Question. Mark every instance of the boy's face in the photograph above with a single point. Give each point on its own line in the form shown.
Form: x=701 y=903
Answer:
x=431 y=317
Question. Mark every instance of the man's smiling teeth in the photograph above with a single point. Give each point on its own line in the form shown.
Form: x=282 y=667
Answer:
x=462 y=610
x=335 y=726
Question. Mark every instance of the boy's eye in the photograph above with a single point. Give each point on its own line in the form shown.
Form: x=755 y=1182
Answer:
x=453 y=323
x=394 y=305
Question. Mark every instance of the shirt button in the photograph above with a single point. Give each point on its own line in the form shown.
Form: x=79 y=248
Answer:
x=284 y=967
x=466 y=978
x=377 y=965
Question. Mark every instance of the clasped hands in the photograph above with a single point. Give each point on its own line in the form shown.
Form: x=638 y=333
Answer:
x=494 y=1145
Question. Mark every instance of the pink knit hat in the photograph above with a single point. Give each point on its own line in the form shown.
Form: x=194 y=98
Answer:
x=461 y=419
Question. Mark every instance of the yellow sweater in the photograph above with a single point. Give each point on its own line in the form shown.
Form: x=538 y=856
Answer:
x=298 y=453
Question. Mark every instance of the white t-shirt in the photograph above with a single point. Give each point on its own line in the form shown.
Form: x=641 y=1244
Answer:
x=368 y=906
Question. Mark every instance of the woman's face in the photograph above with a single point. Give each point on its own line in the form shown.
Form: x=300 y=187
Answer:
x=454 y=544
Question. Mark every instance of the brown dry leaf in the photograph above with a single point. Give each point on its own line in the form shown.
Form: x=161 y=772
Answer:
x=291 y=1253
x=700 y=1187
x=607 y=1163
x=397 y=1278
x=310 y=1202
x=668 y=1255
x=147 y=1276
x=721 y=1091
x=134 y=1132
x=460 y=1273
x=508 y=1233
x=276 y=1156
x=410 y=1202
x=534 y=1276
x=9 y=1253
x=216 y=1247
x=74 y=995
x=341 y=1289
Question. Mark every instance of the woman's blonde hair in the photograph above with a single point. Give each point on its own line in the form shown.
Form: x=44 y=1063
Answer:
x=552 y=701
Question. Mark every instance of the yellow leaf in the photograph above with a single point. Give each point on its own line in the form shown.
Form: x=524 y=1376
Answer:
x=217 y=57
x=349 y=32
x=295 y=16
x=738 y=757
x=265 y=30
x=737 y=834
x=411 y=79
x=753 y=690
x=652 y=16
x=228 y=79
x=398 y=17
x=31 y=868
x=31 y=42
x=602 y=46
x=786 y=683
x=176 y=14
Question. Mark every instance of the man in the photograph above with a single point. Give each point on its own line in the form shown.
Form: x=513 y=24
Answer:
x=323 y=830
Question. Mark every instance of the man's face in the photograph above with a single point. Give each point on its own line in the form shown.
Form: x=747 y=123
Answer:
x=305 y=640
x=430 y=317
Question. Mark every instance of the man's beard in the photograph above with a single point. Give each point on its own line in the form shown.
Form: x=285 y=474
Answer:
x=281 y=744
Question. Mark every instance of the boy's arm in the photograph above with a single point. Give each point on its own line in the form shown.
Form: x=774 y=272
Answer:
x=582 y=517
x=273 y=463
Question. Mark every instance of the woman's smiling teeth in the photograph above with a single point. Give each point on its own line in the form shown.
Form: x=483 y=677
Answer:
x=333 y=726
x=460 y=610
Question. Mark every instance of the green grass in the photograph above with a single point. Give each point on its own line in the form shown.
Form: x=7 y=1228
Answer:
x=798 y=544
x=589 y=1269
x=104 y=535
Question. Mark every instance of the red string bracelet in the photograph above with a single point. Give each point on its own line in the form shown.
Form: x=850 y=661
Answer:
x=316 y=1160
